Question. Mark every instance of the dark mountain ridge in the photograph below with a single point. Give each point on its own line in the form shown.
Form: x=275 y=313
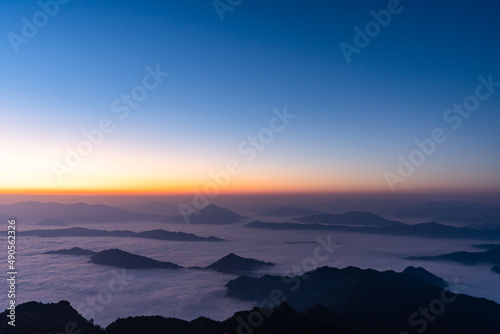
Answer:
x=468 y=258
x=434 y=209
x=427 y=230
x=350 y=218
x=211 y=215
x=325 y=300
x=85 y=232
x=75 y=212
x=426 y=276
x=234 y=264
x=370 y=301
x=122 y=259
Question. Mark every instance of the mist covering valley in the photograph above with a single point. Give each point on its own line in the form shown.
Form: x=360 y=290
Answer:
x=188 y=293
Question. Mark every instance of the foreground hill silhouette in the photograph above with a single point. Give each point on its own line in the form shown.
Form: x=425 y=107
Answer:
x=370 y=301
x=427 y=230
x=211 y=214
x=426 y=276
x=39 y=318
x=468 y=258
x=122 y=259
x=350 y=218
x=326 y=300
x=234 y=264
x=280 y=320
x=85 y=232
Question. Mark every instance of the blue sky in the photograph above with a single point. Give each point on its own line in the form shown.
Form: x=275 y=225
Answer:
x=353 y=119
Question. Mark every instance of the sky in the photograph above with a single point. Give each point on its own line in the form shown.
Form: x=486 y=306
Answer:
x=255 y=97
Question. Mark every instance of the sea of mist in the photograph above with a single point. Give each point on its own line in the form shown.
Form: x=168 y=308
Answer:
x=190 y=293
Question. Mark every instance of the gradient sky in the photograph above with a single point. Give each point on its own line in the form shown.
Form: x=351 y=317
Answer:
x=353 y=120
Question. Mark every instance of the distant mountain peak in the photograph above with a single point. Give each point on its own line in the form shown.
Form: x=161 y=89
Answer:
x=210 y=214
x=122 y=259
x=425 y=275
x=233 y=263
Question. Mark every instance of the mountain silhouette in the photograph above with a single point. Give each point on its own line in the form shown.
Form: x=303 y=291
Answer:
x=485 y=226
x=371 y=301
x=50 y=318
x=426 y=276
x=85 y=232
x=427 y=230
x=469 y=258
x=323 y=301
x=350 y=218
x=496 y=269
x=122 y=259
x=479 y=221
x=80 y=213
x=37 y=318
x=487 y=246
x=234 y=264
x=289 y=211
x=211 y=214
x=72 y=251
x=436 y=209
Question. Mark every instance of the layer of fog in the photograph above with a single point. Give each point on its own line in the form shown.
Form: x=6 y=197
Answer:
x=188 y=294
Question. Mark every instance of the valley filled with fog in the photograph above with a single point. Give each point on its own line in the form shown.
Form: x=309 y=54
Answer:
x=190 y=293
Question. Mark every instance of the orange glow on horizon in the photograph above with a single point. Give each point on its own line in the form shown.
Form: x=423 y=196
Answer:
x=251 y=184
